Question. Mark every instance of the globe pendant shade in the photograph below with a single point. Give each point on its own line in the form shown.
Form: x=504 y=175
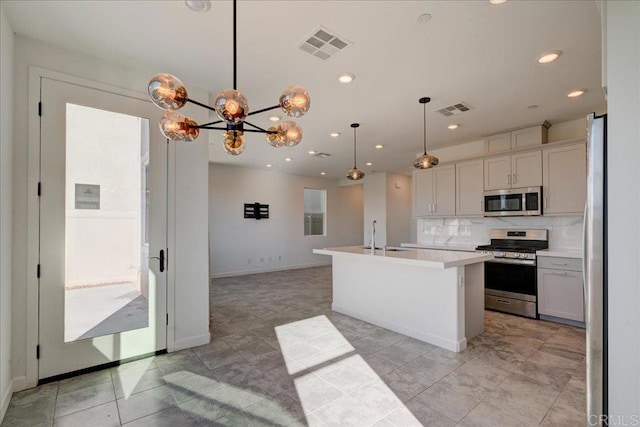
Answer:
x=234 y=142
x=425 y=161
x=177 y=127
x=355 y=174
x=167 y=92
x=295 y=101
x=231 y=106
x=292 y=133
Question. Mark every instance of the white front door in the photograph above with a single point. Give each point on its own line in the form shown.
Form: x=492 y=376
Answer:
x=103 y=174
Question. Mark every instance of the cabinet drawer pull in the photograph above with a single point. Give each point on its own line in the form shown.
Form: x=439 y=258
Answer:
x=515 y=178
x=503 y=301
x=555 y=273
x=558 y=263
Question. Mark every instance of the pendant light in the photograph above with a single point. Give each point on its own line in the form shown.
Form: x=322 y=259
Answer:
x=355 y=173
x=425 y=161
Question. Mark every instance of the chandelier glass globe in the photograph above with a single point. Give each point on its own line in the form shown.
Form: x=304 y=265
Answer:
x=167 y=92
x=295 y=101
x=177 y=127
x=234 y=142
x=231 y=106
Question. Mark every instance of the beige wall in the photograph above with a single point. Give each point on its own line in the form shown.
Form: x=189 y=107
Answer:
x=6 y=205
x=622 y=33
x=244 y=246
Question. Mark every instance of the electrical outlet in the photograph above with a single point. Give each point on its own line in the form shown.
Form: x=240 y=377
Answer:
x=279 y=258
x=261 y=259
x=248 y=260
x=270 y=259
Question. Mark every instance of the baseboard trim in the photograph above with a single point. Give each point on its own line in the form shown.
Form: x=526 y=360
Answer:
x=268 y=270
x=6 y=398
x=192 y=342
x=20 y=383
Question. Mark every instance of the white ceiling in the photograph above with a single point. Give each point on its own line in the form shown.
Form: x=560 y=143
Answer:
x=470 y=51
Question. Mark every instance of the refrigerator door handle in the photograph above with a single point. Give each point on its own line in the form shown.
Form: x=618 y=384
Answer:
x=585 y=244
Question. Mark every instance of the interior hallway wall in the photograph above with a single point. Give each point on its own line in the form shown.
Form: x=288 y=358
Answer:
x=622 y=61
x=6 y=205
x=244 y=246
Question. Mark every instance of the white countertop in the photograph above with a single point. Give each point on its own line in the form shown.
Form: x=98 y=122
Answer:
x=440 y=259
x=564 y=253
x=441 y=246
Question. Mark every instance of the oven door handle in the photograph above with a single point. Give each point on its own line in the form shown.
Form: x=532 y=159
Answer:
x=528 y=262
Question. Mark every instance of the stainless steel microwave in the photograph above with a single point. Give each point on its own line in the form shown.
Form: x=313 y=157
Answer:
x=513 y=202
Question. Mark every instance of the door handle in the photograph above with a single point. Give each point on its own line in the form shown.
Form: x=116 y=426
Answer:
x=161 y=259
x=515 y=178
x=509 y=179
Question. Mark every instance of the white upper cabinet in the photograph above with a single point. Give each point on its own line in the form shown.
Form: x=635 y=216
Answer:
x=497 y=173
x=469 y=188
x=564 y=179
x=528 y=137
x=517 y=139
x=434 y=192
x=498 y=143
x=518 y=170
x=526 y=169
x=445 y=191
x=422 y=193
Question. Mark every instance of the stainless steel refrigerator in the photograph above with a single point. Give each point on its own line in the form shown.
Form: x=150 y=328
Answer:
x=595 y=268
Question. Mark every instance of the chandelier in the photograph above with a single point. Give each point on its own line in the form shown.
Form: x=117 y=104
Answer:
x=355 y=173
x=425 y=161
x=168 y=93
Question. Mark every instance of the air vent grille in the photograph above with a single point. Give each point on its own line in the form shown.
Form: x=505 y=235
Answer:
x=324 y=43
x=454 y=109
x=322 y=155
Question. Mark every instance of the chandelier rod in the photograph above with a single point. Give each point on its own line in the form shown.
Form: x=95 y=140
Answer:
x=257 y=127
x=354 y=147
x=200 y=104
x=235 y=130
x=425 y=128
x=235 y=49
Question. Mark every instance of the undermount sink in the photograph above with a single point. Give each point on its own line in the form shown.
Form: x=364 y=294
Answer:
x=388 y=249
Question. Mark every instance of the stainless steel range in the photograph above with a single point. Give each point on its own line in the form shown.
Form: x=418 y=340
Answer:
x=510 y=279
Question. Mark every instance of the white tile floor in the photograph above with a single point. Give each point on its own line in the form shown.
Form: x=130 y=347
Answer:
x=280 y=357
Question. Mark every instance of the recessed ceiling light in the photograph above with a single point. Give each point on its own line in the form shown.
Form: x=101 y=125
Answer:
x=424 y=18
x=379 y=146
x=369 y=164
x=532 y=107
x=268 y=165
x=346 y=78
x=497 y=1
x=548 y=57
x=274 y=118
x=288 y=159
x=334 y=134
x=453 y=126
x=323 y=173
x=198 y=5
x=576 y=93
x=312 y=152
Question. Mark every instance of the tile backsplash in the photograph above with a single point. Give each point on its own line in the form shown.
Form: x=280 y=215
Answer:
x=564 y=231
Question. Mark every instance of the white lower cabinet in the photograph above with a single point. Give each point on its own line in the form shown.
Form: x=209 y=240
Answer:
x=560 y=288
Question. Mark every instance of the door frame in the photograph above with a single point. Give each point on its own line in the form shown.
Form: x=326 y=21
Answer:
x=35 y=74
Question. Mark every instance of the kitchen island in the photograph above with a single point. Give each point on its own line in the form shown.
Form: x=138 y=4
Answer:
x=435 y=296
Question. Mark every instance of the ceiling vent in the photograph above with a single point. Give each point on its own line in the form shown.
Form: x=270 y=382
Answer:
x=324 y=43
x=454 y=109
x=322 y=155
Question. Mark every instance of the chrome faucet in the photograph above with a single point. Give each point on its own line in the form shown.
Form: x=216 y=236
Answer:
x=373 y=237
